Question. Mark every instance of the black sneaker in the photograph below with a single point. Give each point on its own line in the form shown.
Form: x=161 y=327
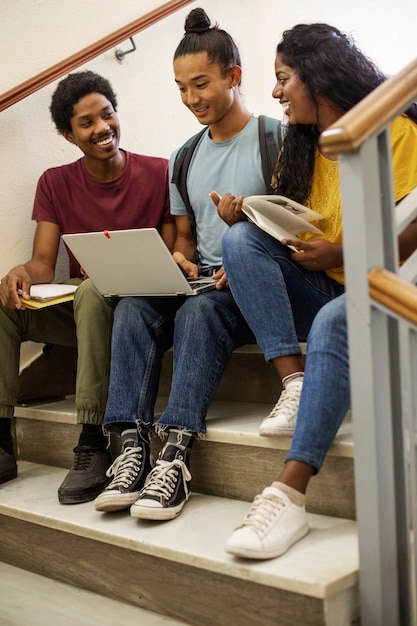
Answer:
x=167 y=487
x=87 y=476
x=8 y=466
x=129 y=471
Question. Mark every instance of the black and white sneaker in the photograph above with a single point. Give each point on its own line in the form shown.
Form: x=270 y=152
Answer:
x=167 y=487
x=129 y=471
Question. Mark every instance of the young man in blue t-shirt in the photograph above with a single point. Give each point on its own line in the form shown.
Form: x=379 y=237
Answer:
x=203 y=330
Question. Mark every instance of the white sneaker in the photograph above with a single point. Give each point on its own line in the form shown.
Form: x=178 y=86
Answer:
x=281 y=420
x=272 y=525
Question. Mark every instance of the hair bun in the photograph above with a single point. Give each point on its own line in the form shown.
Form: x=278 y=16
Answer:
x=197 y=21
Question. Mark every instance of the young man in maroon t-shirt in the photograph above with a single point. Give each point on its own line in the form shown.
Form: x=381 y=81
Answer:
x=108 y=188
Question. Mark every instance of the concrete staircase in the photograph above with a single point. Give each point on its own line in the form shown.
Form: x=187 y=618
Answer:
x=178 y=569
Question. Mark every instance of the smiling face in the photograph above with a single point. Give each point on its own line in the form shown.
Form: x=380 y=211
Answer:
x=295 y=99
x=95 y=127
x=204 y=89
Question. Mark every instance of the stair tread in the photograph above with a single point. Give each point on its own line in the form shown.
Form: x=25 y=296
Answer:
x=227 y=422
x=323 y=563
x=47 y=601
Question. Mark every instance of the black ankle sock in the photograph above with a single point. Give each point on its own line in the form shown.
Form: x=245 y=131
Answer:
x=92 y=436
x=6 y=440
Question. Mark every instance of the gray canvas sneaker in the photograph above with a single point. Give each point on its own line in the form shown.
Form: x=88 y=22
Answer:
x=128 y=472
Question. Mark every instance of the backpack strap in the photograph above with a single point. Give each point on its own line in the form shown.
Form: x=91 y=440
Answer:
x=180 y=170
x=270 y=142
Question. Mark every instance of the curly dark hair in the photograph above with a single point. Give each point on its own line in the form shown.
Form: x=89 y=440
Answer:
x=329 y=64
x=70 y=90
x=201 y=37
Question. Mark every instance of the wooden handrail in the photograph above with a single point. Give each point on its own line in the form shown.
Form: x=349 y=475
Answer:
x=31 y=85
x=394 y=293
x=374 y=111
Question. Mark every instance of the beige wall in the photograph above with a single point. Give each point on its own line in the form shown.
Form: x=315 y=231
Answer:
x=35 y=34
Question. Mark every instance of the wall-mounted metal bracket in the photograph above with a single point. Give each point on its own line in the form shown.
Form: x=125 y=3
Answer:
x=120 y=54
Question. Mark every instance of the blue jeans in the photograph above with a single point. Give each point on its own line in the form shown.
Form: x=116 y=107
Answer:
x=203 y=330
x=278 y=298
x=325 y=397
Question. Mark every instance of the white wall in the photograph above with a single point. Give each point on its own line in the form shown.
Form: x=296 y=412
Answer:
x=35 y=34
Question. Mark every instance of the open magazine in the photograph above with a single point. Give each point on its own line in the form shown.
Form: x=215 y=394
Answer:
x=280 y=217
x=47 y=294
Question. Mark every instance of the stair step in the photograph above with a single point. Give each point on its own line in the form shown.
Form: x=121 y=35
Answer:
x=179 y=568
x=33 y=600
x=232 y=461
x=227 y=422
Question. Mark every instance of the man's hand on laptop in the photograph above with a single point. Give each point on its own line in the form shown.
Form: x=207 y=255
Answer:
x=189 y=269
x=221 y=278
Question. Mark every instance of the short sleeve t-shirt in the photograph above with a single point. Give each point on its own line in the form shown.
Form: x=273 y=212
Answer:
x=69 y=197
x=325 y=195
x=228 y=166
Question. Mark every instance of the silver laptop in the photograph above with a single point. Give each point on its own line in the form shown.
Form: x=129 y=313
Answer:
x=132 y=262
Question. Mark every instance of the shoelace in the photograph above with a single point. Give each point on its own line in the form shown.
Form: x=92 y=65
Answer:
x=287 y=404
x=262 y=511
x=125 y=468
x=162 y=479
x=82 y=459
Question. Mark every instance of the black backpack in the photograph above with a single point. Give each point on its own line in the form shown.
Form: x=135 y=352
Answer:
x=269 y=130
